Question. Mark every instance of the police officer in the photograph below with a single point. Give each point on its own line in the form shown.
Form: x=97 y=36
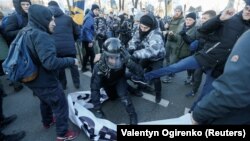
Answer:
x=109 y=73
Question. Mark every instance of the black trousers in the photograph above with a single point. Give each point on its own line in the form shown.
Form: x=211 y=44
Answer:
x=89 y=53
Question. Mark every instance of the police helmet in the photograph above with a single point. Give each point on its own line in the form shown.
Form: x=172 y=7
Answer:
x=112 y=51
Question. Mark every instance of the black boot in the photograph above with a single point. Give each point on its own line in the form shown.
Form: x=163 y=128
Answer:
x=6 y=121
x=14 y=137
x=157 y=97
x=133 y=119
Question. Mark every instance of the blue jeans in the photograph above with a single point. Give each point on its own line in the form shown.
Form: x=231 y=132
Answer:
x=184 y=64
x=207 y=88
x=53 y=101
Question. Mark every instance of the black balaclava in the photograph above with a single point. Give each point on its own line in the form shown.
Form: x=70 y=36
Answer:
x=147 y=21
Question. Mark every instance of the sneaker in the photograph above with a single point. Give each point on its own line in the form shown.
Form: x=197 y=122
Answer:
x=167 y=80
x=70 y=135
x=14 y=137
x=190 y=94
x=139 y=80
x=47 y=126
x=188 y=81
x=6 y=121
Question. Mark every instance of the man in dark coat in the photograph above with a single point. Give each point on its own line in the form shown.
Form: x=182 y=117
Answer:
x=229 y=102
x=46 y=86
x=65 y=29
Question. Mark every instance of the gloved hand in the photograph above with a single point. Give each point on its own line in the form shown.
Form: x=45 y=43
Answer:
x=194 y=45
x=183 y=32
x=125 y=54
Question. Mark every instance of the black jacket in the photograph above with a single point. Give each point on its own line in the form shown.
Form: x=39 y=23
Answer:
x=43 y=44
x=227 y=33
x=12 y=27
x=65 y=33
x=229 y=103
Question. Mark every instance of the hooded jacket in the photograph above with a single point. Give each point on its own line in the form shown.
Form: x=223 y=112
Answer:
x=12 y=26
x=65 y=29
x=43 y=45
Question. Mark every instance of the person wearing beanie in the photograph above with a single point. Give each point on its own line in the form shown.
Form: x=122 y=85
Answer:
x=191 y=15
x=87 y=37
x=94 y=6
x=174 y=26
x=148 y=48
x=147 y=21
x=65 y=28
x=46 y=86
x=53 y=3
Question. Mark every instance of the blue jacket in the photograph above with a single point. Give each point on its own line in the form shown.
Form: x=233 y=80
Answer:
x=65 y=33
x=88 y=30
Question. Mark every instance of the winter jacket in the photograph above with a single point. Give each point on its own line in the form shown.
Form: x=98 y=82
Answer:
x=229 y=103
x=65 y=33
x=43 y=44
x=150 y=47
x=12 y=27
x=88 y=29
x=188 y=35
x=228 y=33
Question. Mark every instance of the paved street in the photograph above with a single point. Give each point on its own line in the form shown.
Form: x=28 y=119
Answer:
x=26 y=106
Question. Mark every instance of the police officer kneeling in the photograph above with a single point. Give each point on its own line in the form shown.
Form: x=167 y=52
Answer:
x=109 y=73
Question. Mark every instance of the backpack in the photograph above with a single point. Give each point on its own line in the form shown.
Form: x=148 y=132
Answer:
x=5 y=21
x=19 y=66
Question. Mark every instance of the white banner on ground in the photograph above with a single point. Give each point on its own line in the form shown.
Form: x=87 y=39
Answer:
x=101 y=129
x=96 y=129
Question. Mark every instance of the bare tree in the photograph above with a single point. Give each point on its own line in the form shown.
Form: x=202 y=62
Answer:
x=123 y=5
x=120 y=5
x=136 y=3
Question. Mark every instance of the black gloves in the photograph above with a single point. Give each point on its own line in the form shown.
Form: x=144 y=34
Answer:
x=125 y=54
x=183 y=32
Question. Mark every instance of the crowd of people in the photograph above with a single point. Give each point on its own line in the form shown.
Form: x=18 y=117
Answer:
x=141 y=48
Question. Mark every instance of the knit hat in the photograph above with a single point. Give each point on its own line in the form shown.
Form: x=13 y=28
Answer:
x=247 y=2
x=25 y=1
x=94 y=6
x=191 y=15
x=147 y=20
x=53 y=3
x=179 y=7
